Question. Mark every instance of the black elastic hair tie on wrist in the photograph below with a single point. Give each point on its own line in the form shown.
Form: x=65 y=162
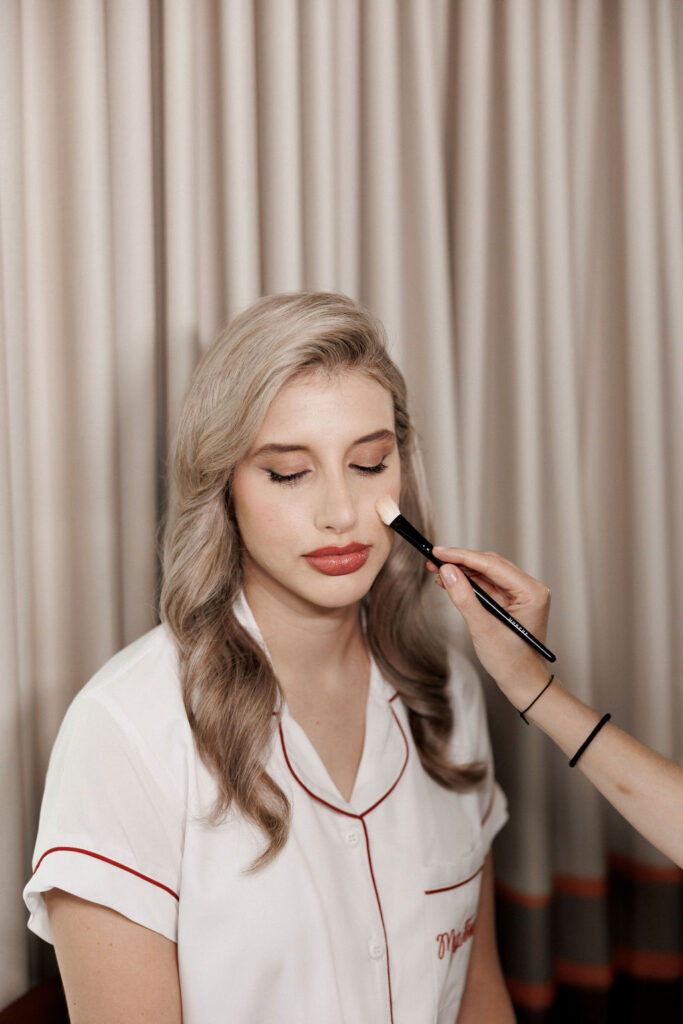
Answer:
x=596 y=730
x=522 y=714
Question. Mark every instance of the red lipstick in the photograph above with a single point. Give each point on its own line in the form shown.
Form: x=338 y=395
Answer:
x=333 y=561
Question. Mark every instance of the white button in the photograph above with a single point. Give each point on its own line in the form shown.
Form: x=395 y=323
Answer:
x=352 y=838
x=376 y=951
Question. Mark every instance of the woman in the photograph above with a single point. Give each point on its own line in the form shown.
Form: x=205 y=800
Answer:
x=279 y=804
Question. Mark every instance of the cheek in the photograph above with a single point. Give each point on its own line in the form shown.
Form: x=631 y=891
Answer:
x=389 y=483
x=266 y=517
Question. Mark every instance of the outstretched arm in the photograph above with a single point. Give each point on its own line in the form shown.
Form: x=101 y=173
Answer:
x=645 y=787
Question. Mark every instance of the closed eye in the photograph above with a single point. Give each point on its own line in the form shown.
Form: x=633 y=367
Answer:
x=379 y=468
x=279 y=478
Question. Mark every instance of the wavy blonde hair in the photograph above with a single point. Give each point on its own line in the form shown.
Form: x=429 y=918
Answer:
x=229 y=687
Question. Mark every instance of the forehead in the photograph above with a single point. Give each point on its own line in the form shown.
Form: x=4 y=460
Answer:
x=320 y=405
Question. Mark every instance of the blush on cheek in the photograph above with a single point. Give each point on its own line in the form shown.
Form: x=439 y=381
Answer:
x=273 y=527
x=269 y=517
x=285 y=517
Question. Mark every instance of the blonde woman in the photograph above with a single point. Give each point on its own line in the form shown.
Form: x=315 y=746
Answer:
x=278 y=805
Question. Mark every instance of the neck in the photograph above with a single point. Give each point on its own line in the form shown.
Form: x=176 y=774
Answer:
x=306 y=642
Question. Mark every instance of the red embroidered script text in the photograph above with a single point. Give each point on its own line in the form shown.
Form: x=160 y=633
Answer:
x=449 y=942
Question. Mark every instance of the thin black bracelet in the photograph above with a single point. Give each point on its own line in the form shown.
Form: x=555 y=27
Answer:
x=596 y=730
x=522 y=714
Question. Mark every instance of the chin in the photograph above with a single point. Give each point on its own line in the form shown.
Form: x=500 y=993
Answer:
x=338 y=591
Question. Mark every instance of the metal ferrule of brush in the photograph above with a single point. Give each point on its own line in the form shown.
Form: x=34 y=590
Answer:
x=414 y=537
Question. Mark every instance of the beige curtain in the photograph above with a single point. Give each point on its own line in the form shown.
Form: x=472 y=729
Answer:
x=501 y=182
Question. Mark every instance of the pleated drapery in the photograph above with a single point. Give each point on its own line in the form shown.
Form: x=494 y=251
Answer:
x=501 y=182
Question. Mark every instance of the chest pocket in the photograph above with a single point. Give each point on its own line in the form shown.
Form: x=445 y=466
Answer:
x=451 y=897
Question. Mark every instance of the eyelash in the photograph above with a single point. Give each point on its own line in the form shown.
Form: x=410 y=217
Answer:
x=277 y=478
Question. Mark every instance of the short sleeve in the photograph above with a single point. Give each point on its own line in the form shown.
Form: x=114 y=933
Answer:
x=472 y=743
x=111 y=827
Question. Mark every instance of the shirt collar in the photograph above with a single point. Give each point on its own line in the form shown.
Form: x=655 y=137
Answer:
x=384 y=748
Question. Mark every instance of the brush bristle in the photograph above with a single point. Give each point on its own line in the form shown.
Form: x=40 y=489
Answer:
x=387 y=509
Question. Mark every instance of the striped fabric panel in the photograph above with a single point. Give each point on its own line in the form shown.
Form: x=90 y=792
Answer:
x=592 y=937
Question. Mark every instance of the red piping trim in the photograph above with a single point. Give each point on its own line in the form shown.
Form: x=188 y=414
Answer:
x=447 y=888
x=107 y=860
x=490 y=806
x=361 y=817
x=348 y=814
x=325 y=803
x=381 y=916
x=398 y=779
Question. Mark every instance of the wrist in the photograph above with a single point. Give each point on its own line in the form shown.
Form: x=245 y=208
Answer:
x=525 y=685
x=563 y=717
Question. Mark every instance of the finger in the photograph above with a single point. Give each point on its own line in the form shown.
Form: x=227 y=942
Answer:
x=461 y=594
x=432 y=567
x=535 y=593
x=489 y=564
x=503 y=597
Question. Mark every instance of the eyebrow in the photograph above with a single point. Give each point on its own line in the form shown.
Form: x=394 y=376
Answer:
x=276 y=449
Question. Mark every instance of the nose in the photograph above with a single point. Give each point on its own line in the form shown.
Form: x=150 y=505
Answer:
x=336 y=507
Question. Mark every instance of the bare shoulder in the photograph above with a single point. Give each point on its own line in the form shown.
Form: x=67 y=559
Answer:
x=113 y=969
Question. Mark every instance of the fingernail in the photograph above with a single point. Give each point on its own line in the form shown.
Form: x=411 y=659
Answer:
x=448 y=575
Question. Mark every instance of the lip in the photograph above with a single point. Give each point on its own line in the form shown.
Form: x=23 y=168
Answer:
x=348 y=550
x=339 y=561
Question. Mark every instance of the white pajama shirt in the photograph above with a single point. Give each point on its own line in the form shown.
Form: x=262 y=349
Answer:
x=367 y=914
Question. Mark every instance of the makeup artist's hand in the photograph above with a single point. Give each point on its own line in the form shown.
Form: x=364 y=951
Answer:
x=643 y=785
x=519 y=671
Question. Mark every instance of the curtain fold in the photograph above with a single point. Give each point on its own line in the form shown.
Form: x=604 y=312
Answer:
x=502 y=184
x=239 y=155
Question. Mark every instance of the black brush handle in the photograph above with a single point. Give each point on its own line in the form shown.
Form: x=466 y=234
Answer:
x=492 y=606
x=414 y=537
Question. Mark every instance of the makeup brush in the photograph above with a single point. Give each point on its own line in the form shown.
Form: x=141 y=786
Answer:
x=390 y=514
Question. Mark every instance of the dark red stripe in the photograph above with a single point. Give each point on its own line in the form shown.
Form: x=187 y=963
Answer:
x=640 y=963
x=107 y=860
x=490 y=807
x=447 y=888
x=381 y=915
x=348 y=814
x=530 y=994
x=361 y=818
x=638 y=872
x=398 y=779
x=333 y=807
